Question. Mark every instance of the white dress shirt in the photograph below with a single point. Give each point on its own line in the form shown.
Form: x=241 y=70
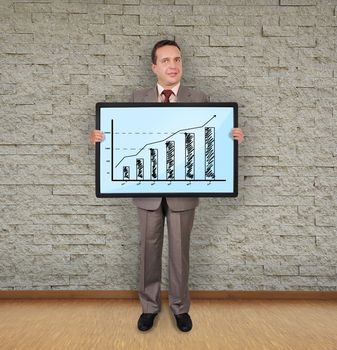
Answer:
x=173 y=97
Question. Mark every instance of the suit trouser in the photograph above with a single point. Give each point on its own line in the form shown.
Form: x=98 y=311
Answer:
x=179 y=226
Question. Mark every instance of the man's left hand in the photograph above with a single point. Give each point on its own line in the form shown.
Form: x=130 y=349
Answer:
x=238 y=135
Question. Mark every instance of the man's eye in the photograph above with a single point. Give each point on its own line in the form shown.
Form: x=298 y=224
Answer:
x=178 y=59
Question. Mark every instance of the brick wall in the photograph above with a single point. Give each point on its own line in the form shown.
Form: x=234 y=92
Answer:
x=276 y=58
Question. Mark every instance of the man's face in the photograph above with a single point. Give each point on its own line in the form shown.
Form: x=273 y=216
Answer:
x=168 y=67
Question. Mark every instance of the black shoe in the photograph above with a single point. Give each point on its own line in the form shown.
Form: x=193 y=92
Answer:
x=145 y=321
x=184 y=322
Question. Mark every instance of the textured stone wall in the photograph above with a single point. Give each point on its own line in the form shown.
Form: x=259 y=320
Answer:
x=276 y=58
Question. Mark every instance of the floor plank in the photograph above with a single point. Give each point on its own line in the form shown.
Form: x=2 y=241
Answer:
x=111 y=324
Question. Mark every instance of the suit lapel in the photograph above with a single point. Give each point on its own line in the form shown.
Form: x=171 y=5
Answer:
x=184 y=94
x=151 y=95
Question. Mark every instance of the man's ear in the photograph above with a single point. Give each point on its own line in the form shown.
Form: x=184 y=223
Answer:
x=153 y=67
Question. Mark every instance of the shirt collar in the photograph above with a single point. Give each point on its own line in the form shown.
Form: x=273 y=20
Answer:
x=174 y=89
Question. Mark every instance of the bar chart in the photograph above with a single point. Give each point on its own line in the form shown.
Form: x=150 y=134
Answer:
x=167 y=150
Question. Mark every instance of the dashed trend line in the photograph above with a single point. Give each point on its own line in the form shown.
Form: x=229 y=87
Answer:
x=151 y=143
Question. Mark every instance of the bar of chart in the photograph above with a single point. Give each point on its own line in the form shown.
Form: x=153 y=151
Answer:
x=166 y=150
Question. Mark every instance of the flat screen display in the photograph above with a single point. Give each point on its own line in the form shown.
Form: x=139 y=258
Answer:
x=175 y=149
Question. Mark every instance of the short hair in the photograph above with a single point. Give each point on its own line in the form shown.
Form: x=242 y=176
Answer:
x=159 y=44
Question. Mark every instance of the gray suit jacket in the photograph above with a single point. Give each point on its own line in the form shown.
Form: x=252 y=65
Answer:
x=185 y=94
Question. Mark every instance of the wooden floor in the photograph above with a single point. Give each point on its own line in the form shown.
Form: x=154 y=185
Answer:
x=111 y=324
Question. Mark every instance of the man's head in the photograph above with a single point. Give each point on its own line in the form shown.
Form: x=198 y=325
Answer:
x=166 y=63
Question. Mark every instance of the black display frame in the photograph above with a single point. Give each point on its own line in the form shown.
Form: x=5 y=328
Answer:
x=101 y=105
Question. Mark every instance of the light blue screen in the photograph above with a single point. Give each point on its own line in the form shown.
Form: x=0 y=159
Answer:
x=166 y=150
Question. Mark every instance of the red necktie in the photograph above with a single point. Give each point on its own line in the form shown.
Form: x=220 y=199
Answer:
x=167 y=94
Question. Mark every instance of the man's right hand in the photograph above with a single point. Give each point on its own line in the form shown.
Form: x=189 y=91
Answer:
x=96 y=136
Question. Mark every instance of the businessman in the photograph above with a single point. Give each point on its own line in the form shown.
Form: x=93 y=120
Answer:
x=179 y=212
